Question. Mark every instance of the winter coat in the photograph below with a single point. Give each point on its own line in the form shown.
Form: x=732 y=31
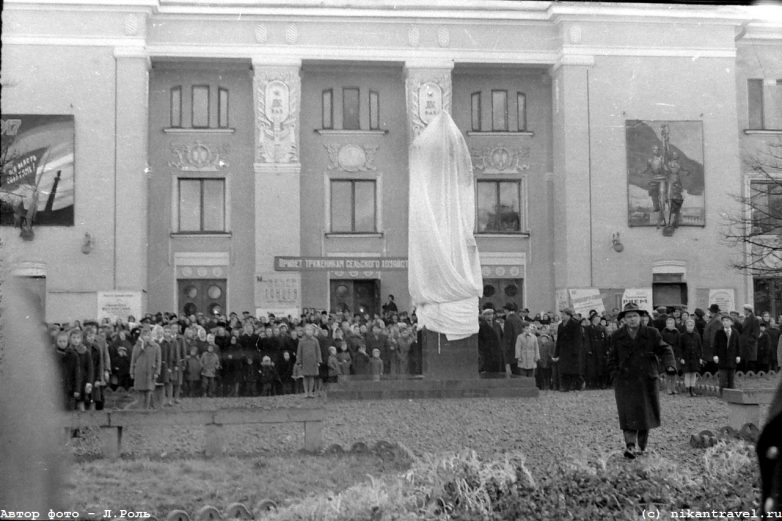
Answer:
x=490 y=351
x=764 y=350
x=569 y=347
x=69 y=373
x=546 y=350
x=192 y=368
x=672 y=337
x=86 y=369
x=750 y=331
x=334 y=366
x=145 y=365
x=691 y=351
x=344 y=362
x=636 y=364
x=309 y=356
x=361 y=363
x=513 y=328
x=714 y=325
x=269 y=374
x=596 y=350
x=526 y=351
x=727 y=349
x=210 y=364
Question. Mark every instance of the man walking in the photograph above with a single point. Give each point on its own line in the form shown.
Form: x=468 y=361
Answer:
x=635 y=360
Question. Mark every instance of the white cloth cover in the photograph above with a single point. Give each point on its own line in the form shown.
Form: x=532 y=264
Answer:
x=444 y=269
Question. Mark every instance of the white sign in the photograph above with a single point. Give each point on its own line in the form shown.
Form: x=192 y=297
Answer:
x=584 y=300
x=724 y=298
x=119 y=304
x=278 y=293
x=640 y=296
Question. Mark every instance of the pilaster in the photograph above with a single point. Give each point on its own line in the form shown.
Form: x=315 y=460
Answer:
x=277 y=102
x=131 y=234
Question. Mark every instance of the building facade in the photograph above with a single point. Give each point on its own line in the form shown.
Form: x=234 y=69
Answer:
x=254 y=155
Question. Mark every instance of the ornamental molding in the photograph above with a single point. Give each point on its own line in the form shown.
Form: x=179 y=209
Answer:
x=277 y=94
x=500 y=159
x=199 y=157
x=428 y=95
x=351 y=157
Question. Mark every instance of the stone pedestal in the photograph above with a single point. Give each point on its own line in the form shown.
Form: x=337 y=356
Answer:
x=449 y=360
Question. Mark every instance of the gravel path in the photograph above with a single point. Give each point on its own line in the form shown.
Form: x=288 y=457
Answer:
x=553 y=427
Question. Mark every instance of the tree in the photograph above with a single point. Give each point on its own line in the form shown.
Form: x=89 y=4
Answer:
x=756 y=227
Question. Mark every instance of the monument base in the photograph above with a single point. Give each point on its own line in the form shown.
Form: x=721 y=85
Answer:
x=450 y=370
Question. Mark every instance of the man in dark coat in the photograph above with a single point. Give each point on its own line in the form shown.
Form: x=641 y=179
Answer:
x=490 y=356
x=513 y=328
x=596 y=353
x=750 y=331
x=637 y=358
x=727 y=352
x=712 y=326
x=568 y=351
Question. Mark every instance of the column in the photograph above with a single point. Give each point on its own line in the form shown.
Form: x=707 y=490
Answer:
x=131 y=172
x=277 y=101
x=428 y=91
x=572 y=215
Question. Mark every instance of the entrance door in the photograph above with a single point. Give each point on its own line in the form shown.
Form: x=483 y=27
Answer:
x=501 y=291
x=355 y=296
x=201 y=296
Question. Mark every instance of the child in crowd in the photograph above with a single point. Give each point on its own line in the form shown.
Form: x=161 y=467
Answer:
x=691 y=355
x=361 y=363
x=268 y=376
x=121 y=369
x=344 y=359
x=527 y=351
x=249 y=374
x=376 y=365
x=334 y=367
x=192 y=375
x=308 y=357
x=210 y=364
x=285 y=372
x=546 y=350
x=69 y=370
x=145 y=365
x=101 y=364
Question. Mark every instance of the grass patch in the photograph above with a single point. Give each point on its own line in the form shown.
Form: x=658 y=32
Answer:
x=158 y=486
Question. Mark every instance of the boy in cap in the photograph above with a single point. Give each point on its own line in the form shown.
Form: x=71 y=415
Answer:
x=726 y=352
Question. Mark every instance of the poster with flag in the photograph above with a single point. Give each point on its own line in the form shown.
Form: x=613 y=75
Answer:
x=37 y=176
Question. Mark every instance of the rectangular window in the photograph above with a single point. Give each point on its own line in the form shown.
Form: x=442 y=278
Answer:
x=498 y=207
x=327 y=109
x=755 y=103
x=521 y=111
x=201 y=205
x=374 y=110
x=766 y=207
x=200 y=106
x=353 y=206
x=176 y=107
x=475 y=104
x=222 y=108
x=350 y=109
x=499 y=110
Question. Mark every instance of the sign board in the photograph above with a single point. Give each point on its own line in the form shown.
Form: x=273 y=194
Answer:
x=119 y=304
x=640 y=296
x=724 y=298
x=339 y=263
x=584 y=300
x=277 y=293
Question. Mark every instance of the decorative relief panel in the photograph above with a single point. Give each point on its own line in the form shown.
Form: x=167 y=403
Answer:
x=261 y=33
x=428 y=95
x=199 y=157
x=413 y=36
x=276 y=116
x=352 y=158
x=132 y=24
x=500 y=159
x=443 y=37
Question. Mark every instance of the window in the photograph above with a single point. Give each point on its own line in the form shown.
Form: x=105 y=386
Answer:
x=353 y=206
x=222 y=107
x=499 y=206
x=374 y=110
x=499 y=110
x=764 y=104
x=521 y=111
x=327 y=99
x=200 y=113
x=350 y=109
x=475 y=102
x=201 y=205
x=766 y=207
x=176 y=107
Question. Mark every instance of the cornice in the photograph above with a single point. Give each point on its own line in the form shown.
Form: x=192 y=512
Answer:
x=148 y=6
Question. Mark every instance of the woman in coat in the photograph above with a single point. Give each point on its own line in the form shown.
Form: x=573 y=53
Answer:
x=637 y=357
x=671 y=336
x=145 y=365
x=309 y=358
x=691 y=354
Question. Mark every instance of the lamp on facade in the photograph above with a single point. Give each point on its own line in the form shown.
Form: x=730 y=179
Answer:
x=87 y=244
x=617 y=243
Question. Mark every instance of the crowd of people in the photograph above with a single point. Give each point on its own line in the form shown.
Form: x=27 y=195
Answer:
x=567 y=351
x=166 y=357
